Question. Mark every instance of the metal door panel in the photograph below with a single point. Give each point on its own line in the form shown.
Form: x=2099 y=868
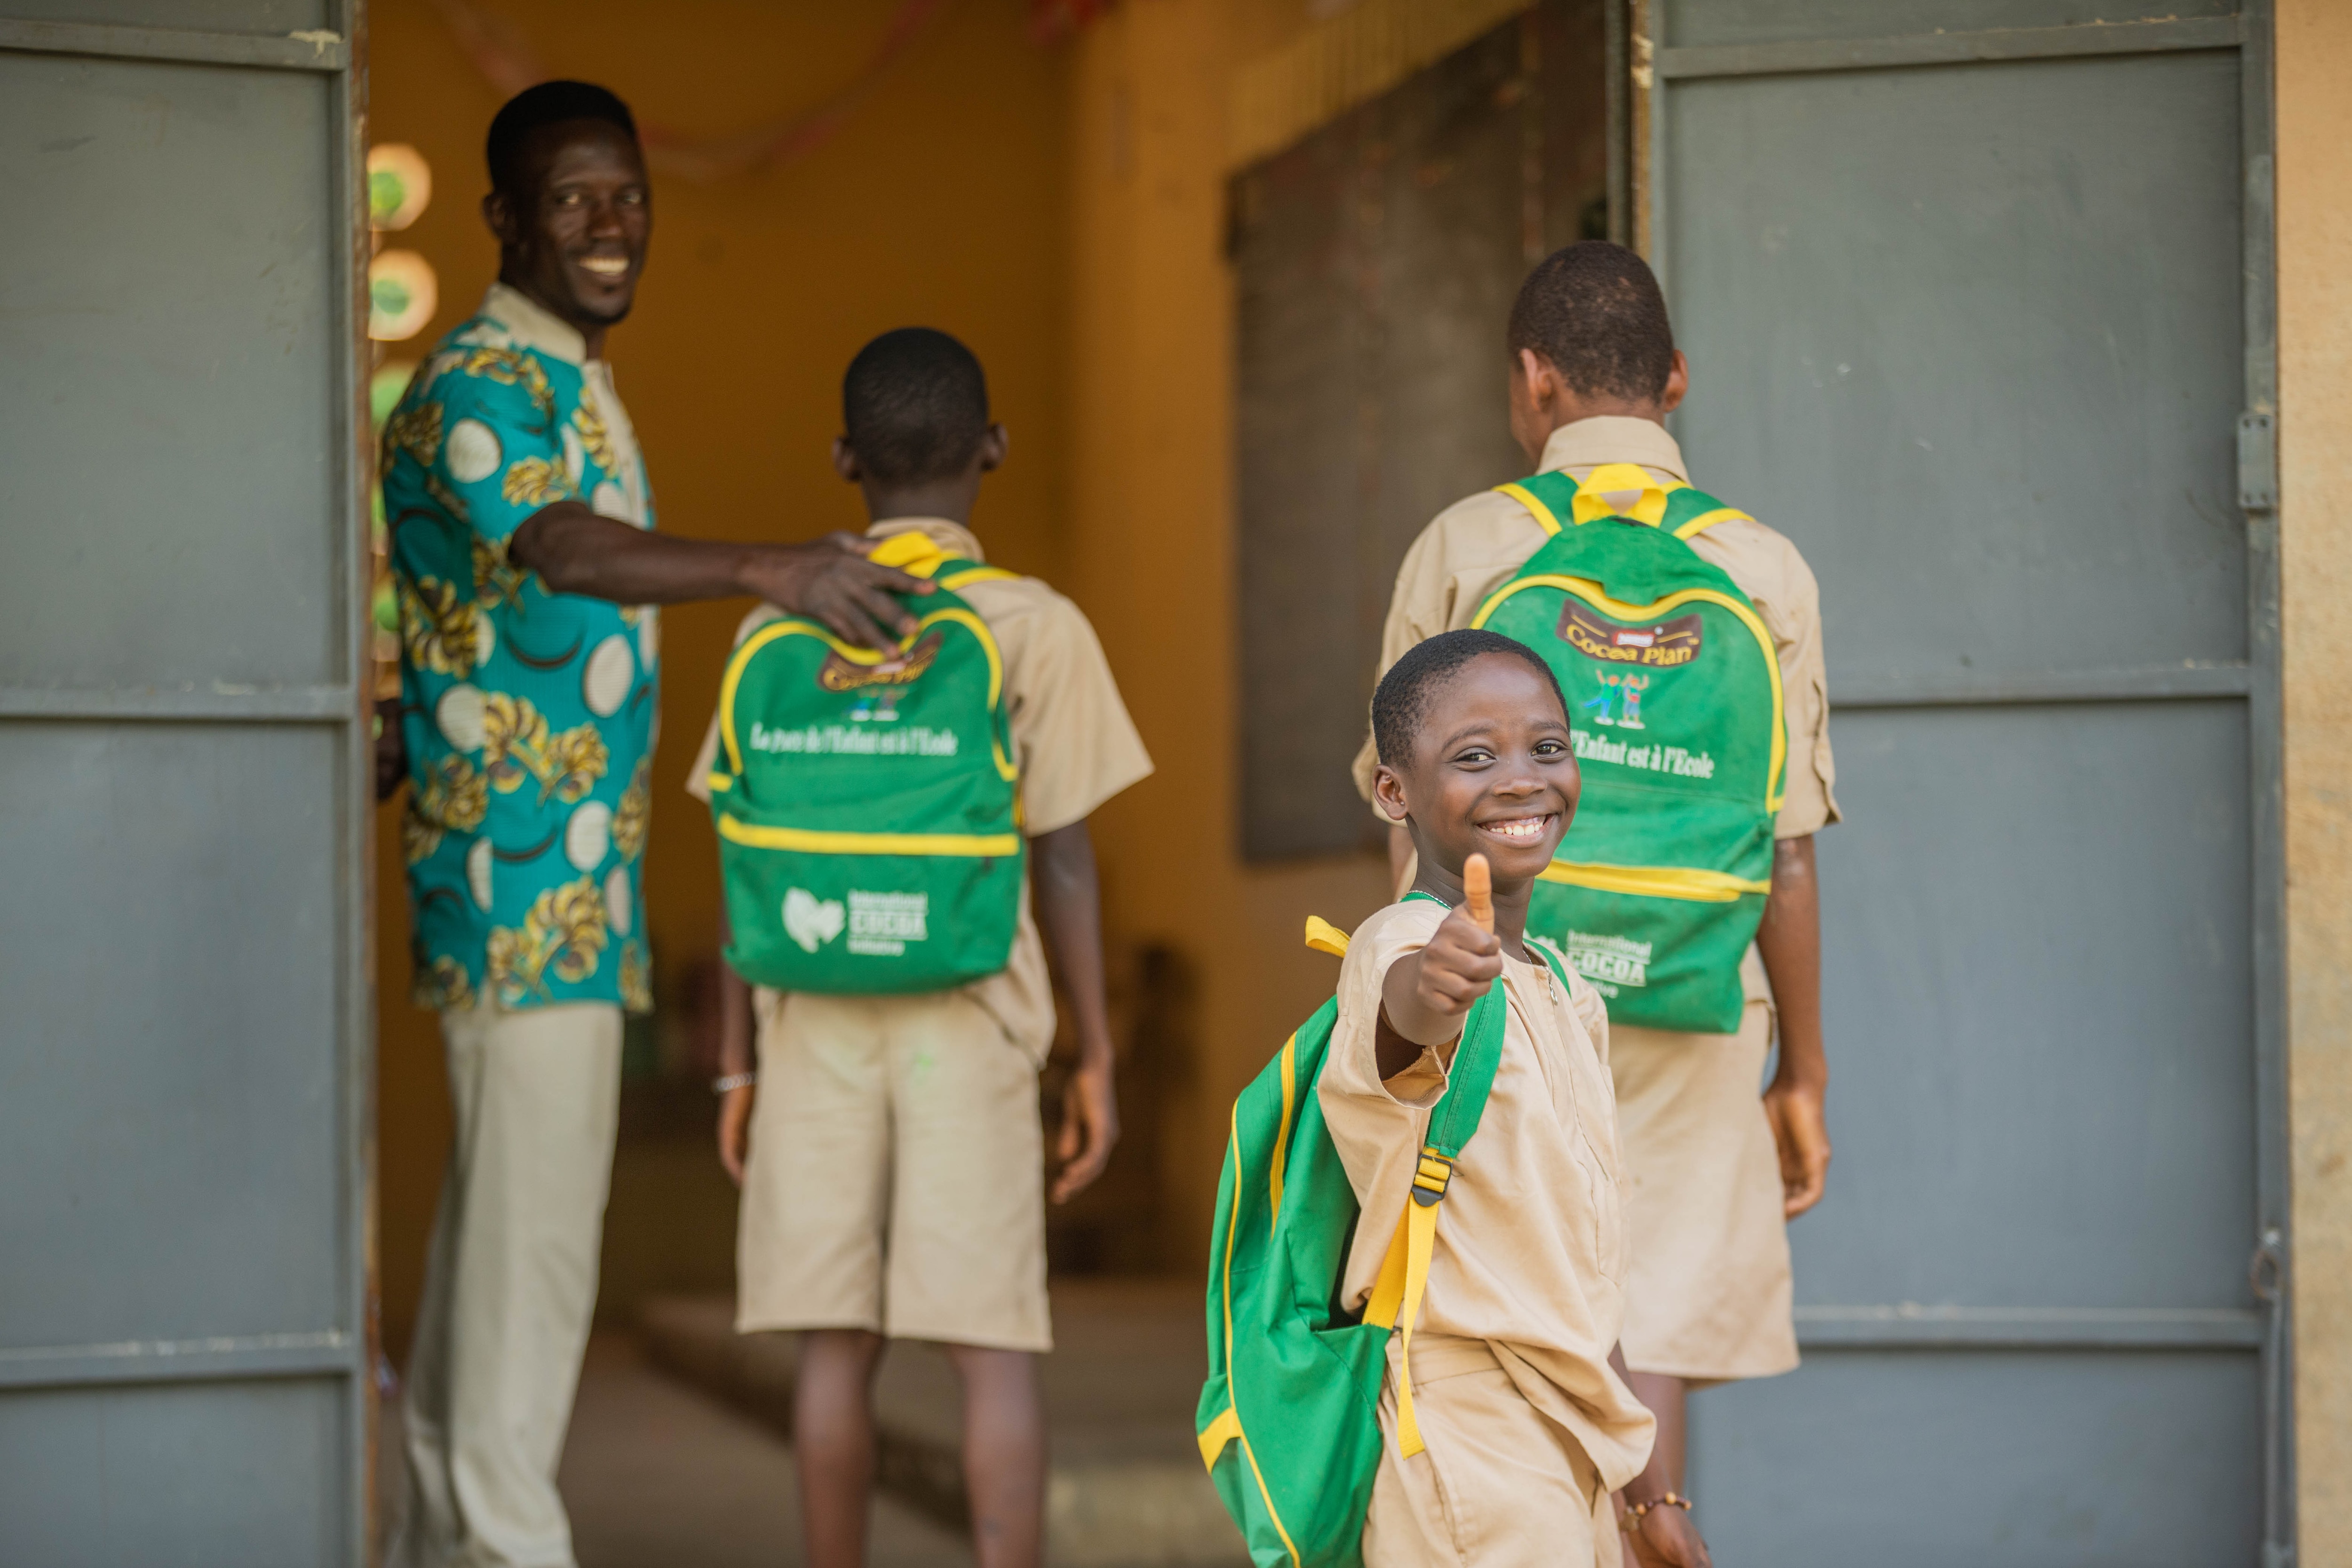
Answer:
x=1786 y=21
x=184 y=1056
x=162 y=1477
x=2039 y=997
x=170 y=406
x=2043 y=409
x=175 y=1098
x=2015 y=1459
x=1972 y=317
x=278 y=16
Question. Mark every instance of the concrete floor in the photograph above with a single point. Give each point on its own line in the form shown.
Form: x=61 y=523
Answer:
x=658 y=1476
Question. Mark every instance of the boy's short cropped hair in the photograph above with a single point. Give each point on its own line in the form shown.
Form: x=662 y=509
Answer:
x=535 y=108
x=1594 y=309
x=914 y=405
x=1401 y=704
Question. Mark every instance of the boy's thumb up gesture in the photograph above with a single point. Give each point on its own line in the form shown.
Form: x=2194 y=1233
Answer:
x=1426 y=995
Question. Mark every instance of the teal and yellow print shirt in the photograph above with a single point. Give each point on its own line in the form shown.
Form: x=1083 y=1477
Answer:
x=529 y=716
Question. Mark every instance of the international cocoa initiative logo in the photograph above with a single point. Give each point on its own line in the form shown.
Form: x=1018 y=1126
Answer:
x=880 y=925
x=1669 y=644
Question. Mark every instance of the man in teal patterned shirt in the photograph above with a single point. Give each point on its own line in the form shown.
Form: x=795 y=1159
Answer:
x=523 y=548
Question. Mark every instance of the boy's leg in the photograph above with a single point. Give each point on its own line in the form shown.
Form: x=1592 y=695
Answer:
x=1004 y=1454
x=833 y=1442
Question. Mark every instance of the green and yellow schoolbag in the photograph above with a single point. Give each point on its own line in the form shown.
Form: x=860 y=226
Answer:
x=1674 y=696
x=1289 y=1418
x=868 y=808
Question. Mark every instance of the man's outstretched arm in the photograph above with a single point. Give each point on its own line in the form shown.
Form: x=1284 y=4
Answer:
x=1790 y=940
x=576 y=550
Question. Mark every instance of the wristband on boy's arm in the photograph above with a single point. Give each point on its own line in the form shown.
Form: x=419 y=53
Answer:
x=733 y=1081
x=1636 y=1511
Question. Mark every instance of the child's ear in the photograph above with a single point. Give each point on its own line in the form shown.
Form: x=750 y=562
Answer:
x=845 y=460
x=993 y=446
x=1388 y=793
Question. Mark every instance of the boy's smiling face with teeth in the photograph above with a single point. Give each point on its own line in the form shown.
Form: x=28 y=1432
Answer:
x=1492 y=773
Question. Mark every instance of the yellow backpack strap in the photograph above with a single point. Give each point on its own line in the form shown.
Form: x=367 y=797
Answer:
x=1325 y=937
x=1404 y=1279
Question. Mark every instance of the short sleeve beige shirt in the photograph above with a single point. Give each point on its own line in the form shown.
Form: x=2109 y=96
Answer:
x=1475 y=545
x=1072 y=738
x=1531 y=1254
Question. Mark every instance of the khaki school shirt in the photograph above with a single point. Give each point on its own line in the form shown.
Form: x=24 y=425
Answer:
x=1475 y=546
x=1071 y=740
x=1530 y=1252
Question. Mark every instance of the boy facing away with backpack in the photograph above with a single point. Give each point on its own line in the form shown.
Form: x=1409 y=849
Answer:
x=1525 y=1426
x=1715 y=1173
x=893 y=1184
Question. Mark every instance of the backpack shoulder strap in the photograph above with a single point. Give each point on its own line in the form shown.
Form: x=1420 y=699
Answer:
x=1404 y=1273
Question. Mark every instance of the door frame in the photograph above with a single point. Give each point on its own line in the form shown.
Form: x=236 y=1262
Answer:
x=1651 y=72
x=345 y=1352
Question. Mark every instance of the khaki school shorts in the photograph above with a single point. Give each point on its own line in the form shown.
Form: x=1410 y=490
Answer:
x=897 y=1174
x=1708 y=1296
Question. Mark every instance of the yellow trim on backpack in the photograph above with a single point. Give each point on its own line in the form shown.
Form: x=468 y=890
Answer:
x=1281 y=1138
x=1325 y=937
x=1707 y=519
x=978 y=845
x=1653 y=882
x=1527 y=498
x=978 y=574
x=719 y=781
x=1217 y=1433
x=1592 y=593
x=1234 y=1144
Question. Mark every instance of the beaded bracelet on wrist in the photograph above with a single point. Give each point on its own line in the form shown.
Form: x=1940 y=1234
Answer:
x=1636 y=1511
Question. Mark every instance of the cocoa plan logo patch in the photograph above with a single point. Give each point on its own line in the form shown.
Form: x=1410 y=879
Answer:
x=1668 y=645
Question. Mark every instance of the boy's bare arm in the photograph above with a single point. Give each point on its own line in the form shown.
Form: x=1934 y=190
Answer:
x=1790 y=940
x=1425 y=995
x=1069 y=911
x=734 y=1057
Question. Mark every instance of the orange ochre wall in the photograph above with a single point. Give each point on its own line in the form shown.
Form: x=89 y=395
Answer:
x=1059 y=206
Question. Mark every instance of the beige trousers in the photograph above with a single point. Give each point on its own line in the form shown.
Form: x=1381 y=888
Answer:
x=510 y=1285
x=1496 y=1486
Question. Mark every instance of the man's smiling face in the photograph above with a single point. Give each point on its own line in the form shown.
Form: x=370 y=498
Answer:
x=1491 y=771
x=573 y=236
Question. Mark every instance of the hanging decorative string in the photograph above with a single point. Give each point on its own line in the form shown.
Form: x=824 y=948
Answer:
x=507 y=61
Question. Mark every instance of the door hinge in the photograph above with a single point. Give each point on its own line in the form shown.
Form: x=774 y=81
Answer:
x=2258 y=462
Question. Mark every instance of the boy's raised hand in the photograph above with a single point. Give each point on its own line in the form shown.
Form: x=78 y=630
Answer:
x=1426 y=994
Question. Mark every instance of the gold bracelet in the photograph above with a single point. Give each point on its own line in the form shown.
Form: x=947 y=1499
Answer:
x=1636 y=1511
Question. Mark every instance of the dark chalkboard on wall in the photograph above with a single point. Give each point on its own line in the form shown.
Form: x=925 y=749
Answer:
x=1375 y=263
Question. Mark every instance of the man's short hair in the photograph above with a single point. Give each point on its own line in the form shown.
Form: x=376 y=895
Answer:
x=1400 y=705
x=914 y=405
x=535 y=108
x=1595 y=311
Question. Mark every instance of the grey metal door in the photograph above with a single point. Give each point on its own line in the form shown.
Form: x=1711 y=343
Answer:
x=184 y=988
x=1977 y=293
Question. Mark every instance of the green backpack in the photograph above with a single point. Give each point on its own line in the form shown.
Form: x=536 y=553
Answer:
x=1674 y=696
x=1289 y=1418
x=869 y=811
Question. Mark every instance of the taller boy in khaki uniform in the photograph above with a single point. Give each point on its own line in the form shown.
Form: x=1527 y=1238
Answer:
x=894 y=1183
x=1715 y=1172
